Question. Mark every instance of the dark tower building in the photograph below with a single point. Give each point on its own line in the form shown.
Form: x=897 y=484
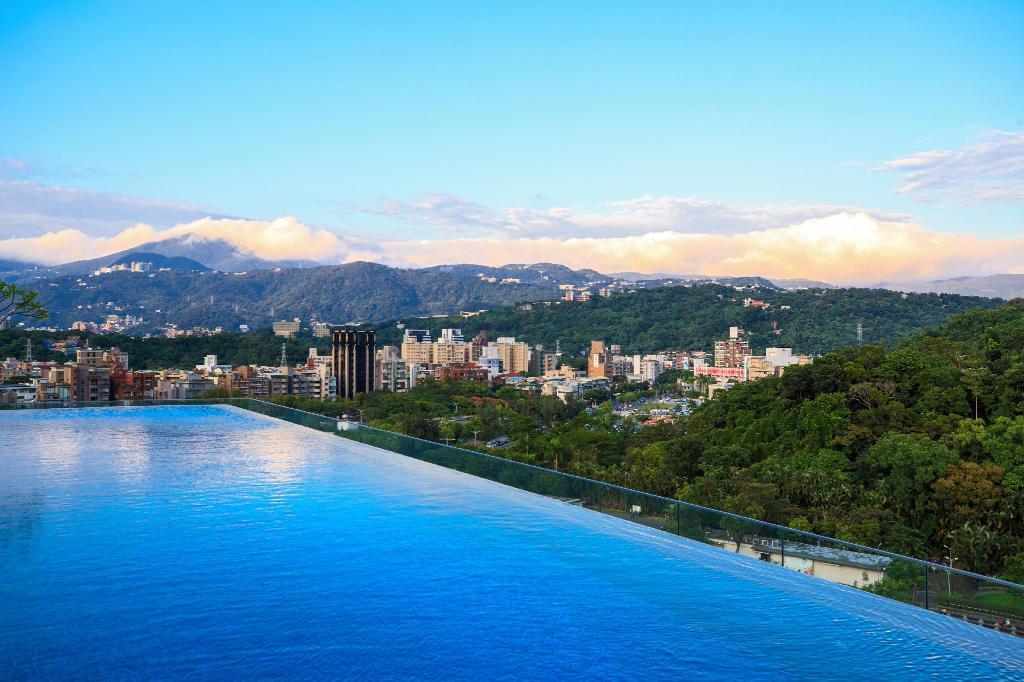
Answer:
x=353 y=361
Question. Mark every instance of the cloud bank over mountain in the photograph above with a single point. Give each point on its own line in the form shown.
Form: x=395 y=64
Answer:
x=284 y=238
x=845 y=247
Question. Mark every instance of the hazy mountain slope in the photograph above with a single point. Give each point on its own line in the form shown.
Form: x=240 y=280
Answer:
x=535 y=273
x=215 y=254
x=1005 y=286
x=339 y=293
x=800 y=283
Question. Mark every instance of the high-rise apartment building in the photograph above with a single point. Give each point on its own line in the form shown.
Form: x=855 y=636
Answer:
x=597 y=360
x=416 y=352
x=417 y=335
x=450 y=352
x=353 y=361
x=452 y=336
x=396 y=375
x=542 y=361
x=730 y=352
x=476 y=346
x=514 y=356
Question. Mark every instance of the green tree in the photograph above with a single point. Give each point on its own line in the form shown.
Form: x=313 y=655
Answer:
x=18 y=302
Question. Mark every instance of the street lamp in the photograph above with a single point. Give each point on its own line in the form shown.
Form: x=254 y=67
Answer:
x=950 y=559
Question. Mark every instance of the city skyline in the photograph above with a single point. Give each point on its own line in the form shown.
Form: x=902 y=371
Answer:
x=798 y=141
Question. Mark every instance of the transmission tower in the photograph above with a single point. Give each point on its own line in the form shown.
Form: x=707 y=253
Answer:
x=28 y=352
x=284 y=354
x=860 y=333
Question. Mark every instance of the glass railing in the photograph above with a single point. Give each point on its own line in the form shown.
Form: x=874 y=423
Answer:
x=979 y=599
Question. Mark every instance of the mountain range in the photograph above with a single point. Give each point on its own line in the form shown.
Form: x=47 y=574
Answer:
x=212 y=282
x=335 y=293
x=213 y=254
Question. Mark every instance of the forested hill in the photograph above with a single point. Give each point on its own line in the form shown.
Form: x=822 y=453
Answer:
x=878 y=447
x=336 y=293
x=810 y=321
x=648 y=320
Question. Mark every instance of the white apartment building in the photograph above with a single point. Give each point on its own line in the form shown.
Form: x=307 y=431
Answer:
x=452 y=336
x=211 y=366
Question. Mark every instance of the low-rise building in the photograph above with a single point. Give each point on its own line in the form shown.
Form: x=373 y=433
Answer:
x=17 y=394
x=188 y=387
x=773 y=362
x=464 y=372
x=126 y=384
x=287 y=328
x=846 y=567
x=87 y=383
x=565 y=388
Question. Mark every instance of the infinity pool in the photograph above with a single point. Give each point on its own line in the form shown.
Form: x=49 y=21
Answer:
x=213 y=542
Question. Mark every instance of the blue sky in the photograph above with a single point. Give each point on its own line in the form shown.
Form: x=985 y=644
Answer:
x=355 y=117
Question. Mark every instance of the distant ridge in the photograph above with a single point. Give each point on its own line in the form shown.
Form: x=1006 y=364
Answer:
x=1005 y=286
x=353 y=292
x=214 y=254
x=799 y=283
x=160 y=261
x=8 y=265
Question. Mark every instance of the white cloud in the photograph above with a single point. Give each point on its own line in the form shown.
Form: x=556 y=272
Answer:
x=851 y=248
x=446 y=211
x=641 y=215
x=29 y=207
x=281 y=239
x=989 y=170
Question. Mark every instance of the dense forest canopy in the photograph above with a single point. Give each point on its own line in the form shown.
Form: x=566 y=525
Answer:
x=676 y=317
x=910 y=450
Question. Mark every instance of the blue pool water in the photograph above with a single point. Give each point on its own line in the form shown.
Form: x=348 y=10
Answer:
x=212 y=542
